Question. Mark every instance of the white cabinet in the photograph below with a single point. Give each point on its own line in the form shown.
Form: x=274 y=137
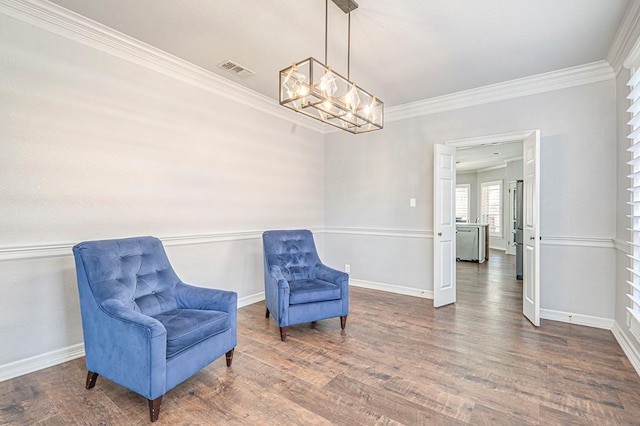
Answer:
x=471 y=242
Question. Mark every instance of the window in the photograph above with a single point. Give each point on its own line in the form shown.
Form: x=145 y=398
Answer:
x=462 y=202
x=491 y=206
x=634 y=201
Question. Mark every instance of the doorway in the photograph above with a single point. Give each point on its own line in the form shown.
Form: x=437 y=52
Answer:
x=445 y=156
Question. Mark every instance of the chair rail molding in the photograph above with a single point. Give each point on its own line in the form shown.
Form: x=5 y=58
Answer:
x=551 y=240
x=58 y=20
x=379 y=232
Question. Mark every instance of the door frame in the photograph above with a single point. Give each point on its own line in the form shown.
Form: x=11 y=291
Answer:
x=503 y=138
x=511 y=231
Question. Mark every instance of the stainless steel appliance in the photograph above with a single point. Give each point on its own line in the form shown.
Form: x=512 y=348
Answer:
x=518 y=215
x=467 y=243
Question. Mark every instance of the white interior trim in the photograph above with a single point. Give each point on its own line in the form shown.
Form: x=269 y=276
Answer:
x=49 y=359
x=64 y=249
x=380 y=232
x=627 y=33
x=58 y=20
x=561 y=79
x=622 y=246
x=550 y=240
x=486 y=139
x=391 y=288
x=627 y=347
x=573 y=318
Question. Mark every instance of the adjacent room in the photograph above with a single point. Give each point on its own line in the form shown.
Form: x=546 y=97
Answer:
x=321 y=212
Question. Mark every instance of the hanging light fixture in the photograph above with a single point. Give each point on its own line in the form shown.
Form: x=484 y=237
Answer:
x=314 y=89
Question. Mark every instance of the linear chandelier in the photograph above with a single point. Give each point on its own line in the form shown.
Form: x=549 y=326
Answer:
x=314 y=89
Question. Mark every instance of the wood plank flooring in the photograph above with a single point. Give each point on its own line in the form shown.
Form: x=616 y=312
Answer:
x=399 y=361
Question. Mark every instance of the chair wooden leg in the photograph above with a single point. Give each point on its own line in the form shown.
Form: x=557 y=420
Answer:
x=283 y=333
x=267 y=314
x=154 y=408
x=91 y=379
x=229 y=356
x=343 y=321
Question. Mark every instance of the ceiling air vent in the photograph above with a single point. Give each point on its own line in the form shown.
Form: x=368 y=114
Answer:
x=236 y=69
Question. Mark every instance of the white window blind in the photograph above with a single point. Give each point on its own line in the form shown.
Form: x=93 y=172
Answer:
x=634 y=201
x=462 y=202
x=491 y=206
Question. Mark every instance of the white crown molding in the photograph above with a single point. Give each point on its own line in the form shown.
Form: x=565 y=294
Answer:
x=541 y=83
x=58 y=20
x=497 y=167
x=491 y=139
x=511 y=160
x=625 y=37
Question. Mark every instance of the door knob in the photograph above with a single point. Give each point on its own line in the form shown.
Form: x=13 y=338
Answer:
x=439 y=234
x=532 y=237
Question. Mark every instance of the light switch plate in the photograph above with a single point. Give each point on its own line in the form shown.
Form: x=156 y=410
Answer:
x=412 y=202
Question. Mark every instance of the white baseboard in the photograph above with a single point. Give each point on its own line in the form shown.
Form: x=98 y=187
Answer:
x=39 y=362
x=49 y=359
x=579 y=319
x=392 y=288
x=629 y=350
x=251 y=299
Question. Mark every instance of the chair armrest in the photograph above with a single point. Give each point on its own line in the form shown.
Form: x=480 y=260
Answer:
x=338 y=278
x=277 y=277
x=127 y=347
x=130 y=318
x=192 y=297
x=331 y=275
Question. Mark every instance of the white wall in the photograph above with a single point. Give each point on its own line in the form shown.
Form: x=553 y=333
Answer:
x=93 y=146
x=369 y=180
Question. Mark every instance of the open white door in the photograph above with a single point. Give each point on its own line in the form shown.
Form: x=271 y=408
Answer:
x=531 y=237
x=444 y=225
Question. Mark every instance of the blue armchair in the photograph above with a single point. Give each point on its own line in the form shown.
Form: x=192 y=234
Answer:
x=298 y=287
x=143 y=327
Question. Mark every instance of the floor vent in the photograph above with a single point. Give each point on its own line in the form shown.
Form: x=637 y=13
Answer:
x=236 y=69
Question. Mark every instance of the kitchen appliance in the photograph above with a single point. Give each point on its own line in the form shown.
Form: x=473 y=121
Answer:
x=519 y=225
x=470 y=242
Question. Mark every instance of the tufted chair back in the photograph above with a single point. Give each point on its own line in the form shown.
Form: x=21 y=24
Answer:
x=293 y=251
x=134 y=271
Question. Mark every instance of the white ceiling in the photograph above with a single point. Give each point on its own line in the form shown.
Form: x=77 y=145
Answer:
x=481 y=157
x=402 y=51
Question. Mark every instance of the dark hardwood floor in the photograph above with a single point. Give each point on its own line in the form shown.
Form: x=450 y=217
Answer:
x=399 y=361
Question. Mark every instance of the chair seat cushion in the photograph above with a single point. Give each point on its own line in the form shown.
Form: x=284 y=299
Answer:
x=308 y=291
x=187 y=327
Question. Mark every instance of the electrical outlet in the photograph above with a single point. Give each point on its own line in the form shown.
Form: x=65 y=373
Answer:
x=347 y=267
x=412 y=202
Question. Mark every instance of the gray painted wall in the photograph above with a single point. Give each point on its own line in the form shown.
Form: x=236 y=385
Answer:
x=370 y=178
x=93 y=146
